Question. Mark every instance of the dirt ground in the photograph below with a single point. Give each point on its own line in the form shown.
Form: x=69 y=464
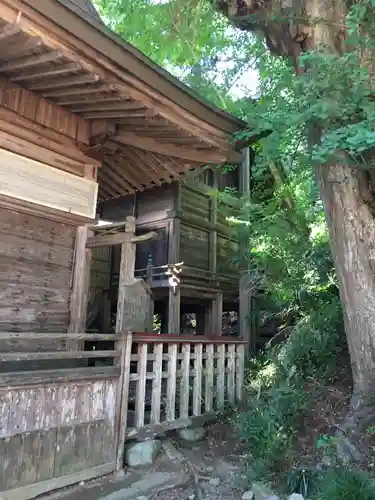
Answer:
x=215 y=467
x=206 y=470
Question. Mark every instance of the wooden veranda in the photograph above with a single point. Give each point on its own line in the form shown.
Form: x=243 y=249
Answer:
x=59 y=427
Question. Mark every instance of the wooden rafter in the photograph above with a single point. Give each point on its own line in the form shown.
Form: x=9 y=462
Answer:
x=149 y=144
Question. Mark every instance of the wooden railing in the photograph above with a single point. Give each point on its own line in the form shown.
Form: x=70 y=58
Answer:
x=59 y=421
x=173 y=380
x=164 y=276
x=64 y=422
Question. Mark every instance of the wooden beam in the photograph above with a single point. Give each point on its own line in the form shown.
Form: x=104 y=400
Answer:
x=104 y=240
x=29 y=61
x=65 y=82
x=148 y=144
x=100 y=106
x=77 y=91
x=52 y=71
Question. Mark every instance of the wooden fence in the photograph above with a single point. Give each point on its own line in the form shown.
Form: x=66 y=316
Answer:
x=172 y=380
x=62 y=422
x=59 y=424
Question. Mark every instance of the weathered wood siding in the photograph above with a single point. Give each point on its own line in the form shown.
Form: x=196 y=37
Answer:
x=53 y=430
x=148 y=206
x=36 y=257
x=194 y=247
x=195 y=206
x=227 y=255
x=100 y=271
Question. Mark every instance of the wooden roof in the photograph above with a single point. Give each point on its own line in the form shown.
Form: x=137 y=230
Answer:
x=147 y=127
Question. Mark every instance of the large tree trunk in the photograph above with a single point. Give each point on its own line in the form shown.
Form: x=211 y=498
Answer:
x=346 y=192
x=349 y=212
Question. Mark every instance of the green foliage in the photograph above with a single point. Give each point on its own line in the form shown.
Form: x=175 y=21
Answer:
x=188 y=38
x=279 y=389
x=344 y=484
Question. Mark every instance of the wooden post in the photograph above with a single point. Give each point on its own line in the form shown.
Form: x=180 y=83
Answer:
x=125 y=345
x=174 y=314
x=80 y=286
x=150 y=315
x=245 y=285
x=174 y=293
x=213 y=232
x=245 y=310
x=126 y=277
x=214 y=316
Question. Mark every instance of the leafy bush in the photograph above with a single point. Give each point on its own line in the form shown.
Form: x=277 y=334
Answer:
x=277 y=395
x=315 y=344
x=344 y=484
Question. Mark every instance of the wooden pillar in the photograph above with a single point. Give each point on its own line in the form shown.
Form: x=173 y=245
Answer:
x=150 y=316
x=218 y=314
x=174 y=293
x=80 y=285
x=214 y=316
x=174 y=313
x=245 y=284
x=126 y=277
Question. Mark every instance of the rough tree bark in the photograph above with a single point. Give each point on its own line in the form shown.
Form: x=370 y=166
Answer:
x=346 y=193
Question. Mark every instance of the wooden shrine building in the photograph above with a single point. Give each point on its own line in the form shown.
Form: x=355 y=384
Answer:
x=86 y=118
x=88 y=128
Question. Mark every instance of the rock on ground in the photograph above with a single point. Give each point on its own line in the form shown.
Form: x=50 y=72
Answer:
x=192 y=434
x=248 y=495
x=141 y=454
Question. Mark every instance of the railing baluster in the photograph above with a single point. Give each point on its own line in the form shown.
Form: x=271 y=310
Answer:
x=156 y=384
x=197 y=393
x=221 y=376
x=231 y=373
x=209 y=378
x=240 y=362
x=141 y=386
x=185 y=382
x=171 y=386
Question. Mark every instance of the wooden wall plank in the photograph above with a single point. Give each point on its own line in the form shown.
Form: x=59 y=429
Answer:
x=35 y=270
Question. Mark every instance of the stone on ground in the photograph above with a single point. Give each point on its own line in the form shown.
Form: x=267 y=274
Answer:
x=262 y=492
x=142 y=454
x=215 y=481
x=171 y=451
x=191 y=434
x=296 y=496
x=248 y=495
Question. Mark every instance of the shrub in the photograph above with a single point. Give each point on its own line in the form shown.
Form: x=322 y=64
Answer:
x=276 y=388
x=344 y=484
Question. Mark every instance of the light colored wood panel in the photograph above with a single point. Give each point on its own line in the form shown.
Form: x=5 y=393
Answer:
x=141 y=387
x=36 y=182
x=156 y=384
x=197 y=390
x=209 y=379
x=185 y=381
x=220 y=387
x=171 y=384
x=231 y=376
